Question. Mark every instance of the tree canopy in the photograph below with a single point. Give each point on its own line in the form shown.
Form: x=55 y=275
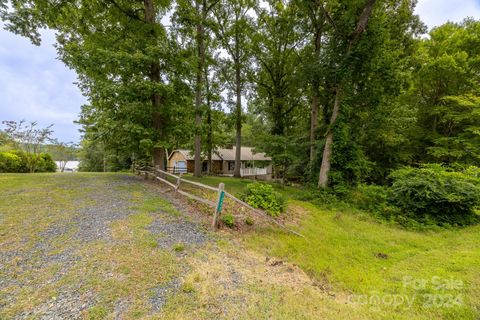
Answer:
x=336 y=92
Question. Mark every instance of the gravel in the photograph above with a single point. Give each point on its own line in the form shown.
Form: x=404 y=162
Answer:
x=160 y=294
x=106 y=203
x=177 y=232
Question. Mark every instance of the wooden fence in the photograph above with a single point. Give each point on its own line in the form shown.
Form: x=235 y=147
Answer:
x=161 y=175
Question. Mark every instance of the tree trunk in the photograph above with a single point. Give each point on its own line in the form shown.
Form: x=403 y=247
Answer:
x=209 y=124
x=238 y=121
x=313 y=123
x=315 y=106
x=198 y=88
x=327 y=150
x=154 y=76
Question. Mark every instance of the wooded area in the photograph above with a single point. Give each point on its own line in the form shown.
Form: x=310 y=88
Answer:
x=336 y=92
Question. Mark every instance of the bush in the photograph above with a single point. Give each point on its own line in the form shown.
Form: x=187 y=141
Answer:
x=45 y=163
x=228 y=220
x=23 y=161
x=374 y=199
x=433 y=194
x=16 y=161
x=262 y=195
x=10 y=162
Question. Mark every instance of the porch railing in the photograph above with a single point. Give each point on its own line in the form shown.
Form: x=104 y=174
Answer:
x=253 y=172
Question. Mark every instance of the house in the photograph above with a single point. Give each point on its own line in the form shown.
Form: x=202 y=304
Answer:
x=223 y=162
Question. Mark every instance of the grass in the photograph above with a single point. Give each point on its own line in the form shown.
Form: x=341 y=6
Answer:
x=126 y=269
x=351 y=254
x=345 y=260
x=348 y=253
x=237 y=186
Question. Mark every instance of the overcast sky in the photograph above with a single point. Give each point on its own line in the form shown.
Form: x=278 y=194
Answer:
x=35 y=86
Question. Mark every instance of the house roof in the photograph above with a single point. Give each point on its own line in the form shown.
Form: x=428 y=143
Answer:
x=246 y=154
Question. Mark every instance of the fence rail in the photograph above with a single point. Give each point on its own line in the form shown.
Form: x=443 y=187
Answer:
x=161 y=175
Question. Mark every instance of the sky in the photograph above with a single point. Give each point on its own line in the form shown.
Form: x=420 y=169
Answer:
x=36 y=86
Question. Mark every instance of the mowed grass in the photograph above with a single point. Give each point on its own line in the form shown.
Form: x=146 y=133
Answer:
x=386 y=271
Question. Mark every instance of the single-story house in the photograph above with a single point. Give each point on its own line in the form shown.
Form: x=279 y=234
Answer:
x=223 y=162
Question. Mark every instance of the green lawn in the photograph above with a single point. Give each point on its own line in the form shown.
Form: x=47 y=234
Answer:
x=356 y=256
x=235 y=186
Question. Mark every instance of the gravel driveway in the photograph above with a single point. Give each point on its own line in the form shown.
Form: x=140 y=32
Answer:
x=50 y=269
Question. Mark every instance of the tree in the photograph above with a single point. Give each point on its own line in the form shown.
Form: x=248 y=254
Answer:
x=192 y=18
x=277 y=80
x=233 y=29
x=446 y=92
x=116 y=48
x=30 y=139
x=349 y=44
x=63 y=152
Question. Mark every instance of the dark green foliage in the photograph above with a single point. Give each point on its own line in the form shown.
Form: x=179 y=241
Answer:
x=45 y=163
x=373 y=199
x=228 y=220
x=432 y=193
x=262 y=195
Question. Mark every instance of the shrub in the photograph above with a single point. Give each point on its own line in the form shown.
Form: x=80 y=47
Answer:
x=262 y=195
x=45 y=163
x=23 y=167
x=432 y=193
x=228 y=220
x=374 y=199
x=17 y=161
x=9 y=162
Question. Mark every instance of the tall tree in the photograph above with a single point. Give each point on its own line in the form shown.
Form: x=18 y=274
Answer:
x=349 y=45
x=233 y=29
x=116 y=48
x=277 y=78
x=447 y=94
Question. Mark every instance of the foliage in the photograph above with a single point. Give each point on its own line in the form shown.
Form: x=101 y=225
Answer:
x=30 y=139
x=45 y=163
x=431 y=193
x=228 y=220
x=10 y=162
x=262 y=195
x=18 y=161
x=374 y=199
x=352 y=84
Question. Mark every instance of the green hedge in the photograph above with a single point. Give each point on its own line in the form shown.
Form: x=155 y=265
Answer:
x=16 y=161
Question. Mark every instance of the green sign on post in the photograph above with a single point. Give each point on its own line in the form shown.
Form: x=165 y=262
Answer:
x=220 y=201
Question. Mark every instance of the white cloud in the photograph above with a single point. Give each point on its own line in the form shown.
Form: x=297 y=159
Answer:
x=35 y=86
x=437 y=12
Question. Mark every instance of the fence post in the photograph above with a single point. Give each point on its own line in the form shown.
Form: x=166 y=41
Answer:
x=218 y=209
x=179 y=179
